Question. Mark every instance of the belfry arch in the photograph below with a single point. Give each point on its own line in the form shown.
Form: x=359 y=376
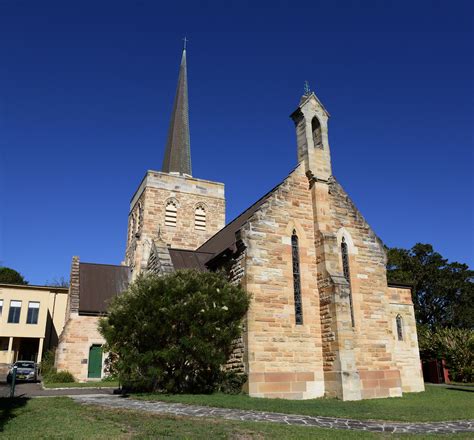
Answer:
x=316 y=133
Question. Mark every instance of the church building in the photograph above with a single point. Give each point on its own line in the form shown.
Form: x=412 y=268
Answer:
x=323 y=321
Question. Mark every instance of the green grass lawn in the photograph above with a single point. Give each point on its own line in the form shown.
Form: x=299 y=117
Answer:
x=61 y=417
x=99 y=384
x=435 y=404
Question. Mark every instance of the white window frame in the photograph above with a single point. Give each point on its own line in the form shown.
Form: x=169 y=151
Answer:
x=14 y=303
x=33 y=305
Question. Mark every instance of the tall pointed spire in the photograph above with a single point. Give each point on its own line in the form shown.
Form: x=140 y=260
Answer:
x=178 y=145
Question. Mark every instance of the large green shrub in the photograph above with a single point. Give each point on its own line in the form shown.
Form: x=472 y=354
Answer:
x=173 y=333
x=47 y=363
x=59 y=377
x=456 y=346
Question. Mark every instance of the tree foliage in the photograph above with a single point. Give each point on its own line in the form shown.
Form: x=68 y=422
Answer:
x=173 y=333
x=11 y=276
x=443 y=292
x=58 y=282
x=454 y=345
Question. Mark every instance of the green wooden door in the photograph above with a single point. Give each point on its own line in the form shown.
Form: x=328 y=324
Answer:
x=95 y=362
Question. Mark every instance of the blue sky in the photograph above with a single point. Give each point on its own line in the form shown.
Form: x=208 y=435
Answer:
x=86 y=90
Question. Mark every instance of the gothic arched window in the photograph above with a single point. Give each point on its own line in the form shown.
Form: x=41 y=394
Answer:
x=317 y=135
x=296 y=278
x=200 y=218
x=171 y=213
x=347 y=274
x=399 y=322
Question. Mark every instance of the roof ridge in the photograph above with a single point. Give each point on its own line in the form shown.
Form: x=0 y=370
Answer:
x=256 y=204
x=104 y=264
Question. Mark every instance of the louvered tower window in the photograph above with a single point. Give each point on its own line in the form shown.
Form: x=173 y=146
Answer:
x=296 y=278
x=171 y=212
x=200 y=218
x=399 y=327
x=347 y=274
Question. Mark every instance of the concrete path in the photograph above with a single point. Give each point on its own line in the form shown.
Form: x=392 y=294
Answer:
x=180 y=409
x=36 y=390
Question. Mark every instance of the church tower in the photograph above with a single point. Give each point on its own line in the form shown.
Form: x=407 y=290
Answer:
x=311 y=121
x=170 y=208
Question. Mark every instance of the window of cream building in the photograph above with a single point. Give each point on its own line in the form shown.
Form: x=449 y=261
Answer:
x=33 y=312
x=14 y=312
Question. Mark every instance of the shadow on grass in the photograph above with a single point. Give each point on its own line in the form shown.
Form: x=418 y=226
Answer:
x=7 y=408
x=456 y=388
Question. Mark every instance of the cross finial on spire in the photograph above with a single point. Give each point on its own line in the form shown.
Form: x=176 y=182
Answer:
x=307 y=90
x=185 y=41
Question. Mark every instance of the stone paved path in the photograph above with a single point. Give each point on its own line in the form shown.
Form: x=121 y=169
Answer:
x=180 y=409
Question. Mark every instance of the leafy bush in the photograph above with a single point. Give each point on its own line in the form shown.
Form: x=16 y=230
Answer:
x=454 y=345
x=47 y=363
x=59 y=377
x=231 y=382
x=109 y=378
x=173 y=333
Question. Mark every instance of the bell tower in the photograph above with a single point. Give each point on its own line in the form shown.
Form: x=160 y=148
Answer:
x=311 y=121
x=171 y=208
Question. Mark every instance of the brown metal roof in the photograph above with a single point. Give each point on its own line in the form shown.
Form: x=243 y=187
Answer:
x=98 y=284
x=225 y=238
x=186 y=259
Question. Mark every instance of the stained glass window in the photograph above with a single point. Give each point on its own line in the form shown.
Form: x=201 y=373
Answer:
x=399 y=328
x=296 y=279
x=347 y=274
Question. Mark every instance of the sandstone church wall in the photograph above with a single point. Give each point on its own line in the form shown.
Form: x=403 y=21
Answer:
x=235 y=268
x=79 y=334
x=284 y=359
x=405 y=348
x=373 y=330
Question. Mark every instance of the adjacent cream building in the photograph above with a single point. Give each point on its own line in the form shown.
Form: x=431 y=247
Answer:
x=31 y=319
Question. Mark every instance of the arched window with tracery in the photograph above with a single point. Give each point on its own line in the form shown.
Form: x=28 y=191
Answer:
x=317 y=134
x=295 y=253
x=399 y=322
x=200 y=218
x=171 y=213
x=347 y=274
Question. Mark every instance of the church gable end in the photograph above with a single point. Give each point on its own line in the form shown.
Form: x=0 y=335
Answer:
x=283 y=353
